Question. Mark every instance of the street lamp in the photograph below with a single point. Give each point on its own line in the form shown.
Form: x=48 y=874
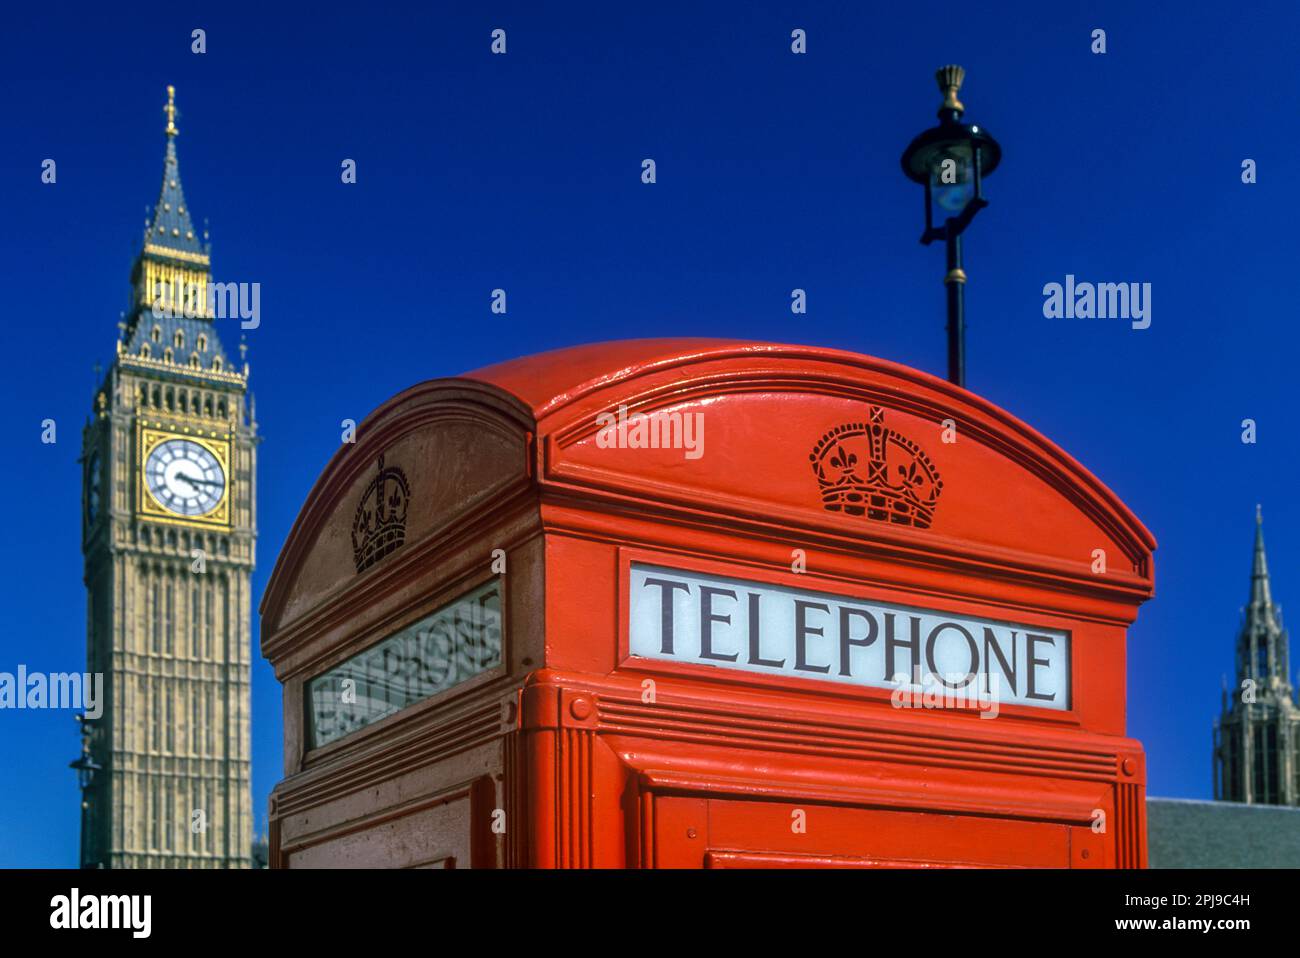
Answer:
x=86 y=767
x=951 y=161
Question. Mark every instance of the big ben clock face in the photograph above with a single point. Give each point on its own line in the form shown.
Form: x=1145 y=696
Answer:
x=184 y=478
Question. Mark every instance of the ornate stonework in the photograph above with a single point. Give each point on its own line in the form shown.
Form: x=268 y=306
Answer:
x=169 y=592
x=1257 y=734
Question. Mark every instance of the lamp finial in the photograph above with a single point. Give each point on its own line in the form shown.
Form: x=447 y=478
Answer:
x=950 y=79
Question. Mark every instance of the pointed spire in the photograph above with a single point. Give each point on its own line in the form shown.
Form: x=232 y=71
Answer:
x=1261 y=595
x=172 y=226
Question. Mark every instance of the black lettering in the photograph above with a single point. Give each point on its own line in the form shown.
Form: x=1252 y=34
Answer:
x=914 y=643
x=801 y=632
x=847 y=641
x=755 y=657
x=991 y=646
x=970 y=642
x=707 y=618
x=1030 y=641
x=666 y=587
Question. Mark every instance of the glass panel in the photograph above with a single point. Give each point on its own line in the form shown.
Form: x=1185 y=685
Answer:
x=952 y=183
x=450 y=646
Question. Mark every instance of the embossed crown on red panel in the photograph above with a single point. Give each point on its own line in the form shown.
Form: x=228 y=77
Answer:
x=869 y=469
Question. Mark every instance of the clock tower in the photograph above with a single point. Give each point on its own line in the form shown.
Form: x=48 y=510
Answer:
x=169 y=528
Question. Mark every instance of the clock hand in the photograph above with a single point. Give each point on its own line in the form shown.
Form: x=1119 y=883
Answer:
x=193 y=481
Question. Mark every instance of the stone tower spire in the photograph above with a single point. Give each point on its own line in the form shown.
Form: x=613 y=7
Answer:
x=1258 y=731
x=1261 y=596
x=172 y=227
x=1263 y=651
x=173 y=271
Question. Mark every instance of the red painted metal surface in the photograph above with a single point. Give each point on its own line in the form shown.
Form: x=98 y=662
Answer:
x=573 y=752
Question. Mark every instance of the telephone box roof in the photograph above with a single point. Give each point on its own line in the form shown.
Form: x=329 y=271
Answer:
x=1007 y=490
x=545 y=383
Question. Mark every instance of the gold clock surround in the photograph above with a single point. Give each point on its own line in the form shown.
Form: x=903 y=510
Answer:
x=150 y=434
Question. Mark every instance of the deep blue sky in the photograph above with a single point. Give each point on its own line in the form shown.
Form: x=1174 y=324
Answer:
x=775 y=171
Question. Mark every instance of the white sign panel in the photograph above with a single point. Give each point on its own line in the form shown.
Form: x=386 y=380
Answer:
x=678 y=616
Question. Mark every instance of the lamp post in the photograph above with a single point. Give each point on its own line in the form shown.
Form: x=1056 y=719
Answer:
x=86 y=767
x=951 y=161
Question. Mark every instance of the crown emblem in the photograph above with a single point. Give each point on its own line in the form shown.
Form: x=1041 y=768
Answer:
x=867 y=468
x=380 y=523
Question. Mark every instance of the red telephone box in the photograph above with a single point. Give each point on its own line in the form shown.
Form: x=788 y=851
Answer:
x=684 y=603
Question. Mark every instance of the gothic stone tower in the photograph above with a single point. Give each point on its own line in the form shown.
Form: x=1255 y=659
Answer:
x=1258 y=732
x=169 y=529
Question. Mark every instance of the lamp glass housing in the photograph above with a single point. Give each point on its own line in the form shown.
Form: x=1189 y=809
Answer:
x=952 y=182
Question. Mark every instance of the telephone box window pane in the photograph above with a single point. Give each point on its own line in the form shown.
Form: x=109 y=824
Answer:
x=454 y=644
